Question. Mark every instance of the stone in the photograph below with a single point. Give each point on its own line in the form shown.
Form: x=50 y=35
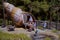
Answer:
x=11 y=28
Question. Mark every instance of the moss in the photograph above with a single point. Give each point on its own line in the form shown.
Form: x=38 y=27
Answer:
x=40 y=27
x=47 y=38
x=59 y=36
x=54 y=30
x=6 y=36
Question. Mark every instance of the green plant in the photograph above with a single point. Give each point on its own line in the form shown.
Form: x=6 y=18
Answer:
x=6 y=22
x=24 y=37
x=10 y=22
x=0 y=21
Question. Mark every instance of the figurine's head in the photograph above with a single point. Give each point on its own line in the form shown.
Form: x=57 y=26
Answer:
x=8 y=6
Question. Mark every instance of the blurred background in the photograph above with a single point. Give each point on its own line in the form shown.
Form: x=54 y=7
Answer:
x=43 y=10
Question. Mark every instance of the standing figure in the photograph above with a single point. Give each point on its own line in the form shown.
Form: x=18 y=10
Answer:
x=44 y=25
x=30 y=23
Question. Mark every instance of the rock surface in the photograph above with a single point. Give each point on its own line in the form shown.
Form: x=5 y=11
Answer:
x=40 y=33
